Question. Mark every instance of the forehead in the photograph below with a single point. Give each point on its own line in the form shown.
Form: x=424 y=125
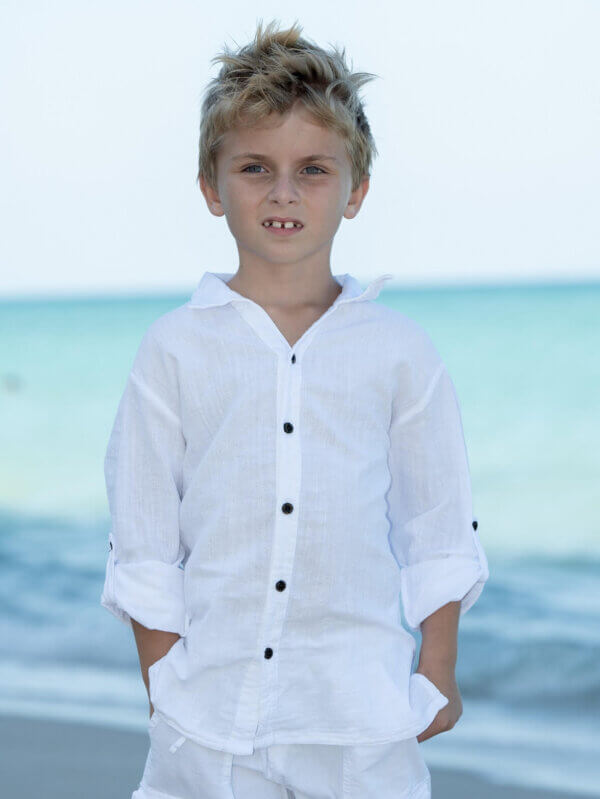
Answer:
x=295 y=133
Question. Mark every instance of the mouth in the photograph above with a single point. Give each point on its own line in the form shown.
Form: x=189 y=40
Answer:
x=282 y=227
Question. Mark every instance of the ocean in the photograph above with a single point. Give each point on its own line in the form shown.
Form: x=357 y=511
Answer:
x=525 y=362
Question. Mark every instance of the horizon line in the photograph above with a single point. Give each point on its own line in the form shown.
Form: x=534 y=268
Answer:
x=397 y=285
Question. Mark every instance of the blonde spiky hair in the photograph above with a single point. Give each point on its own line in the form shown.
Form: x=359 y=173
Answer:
x=271 y=74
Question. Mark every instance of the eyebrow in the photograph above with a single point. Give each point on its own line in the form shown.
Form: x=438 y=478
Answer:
x=260 y=157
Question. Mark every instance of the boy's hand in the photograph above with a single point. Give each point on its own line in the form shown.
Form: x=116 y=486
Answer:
x=442 y=676
x=151 y=645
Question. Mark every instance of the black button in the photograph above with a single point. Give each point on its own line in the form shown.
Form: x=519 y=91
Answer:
x=474 y=524
x=268 y=652
x=287 y=507
x=294 y=358
x=280 y=585
x=110 y=544
x=288 y=427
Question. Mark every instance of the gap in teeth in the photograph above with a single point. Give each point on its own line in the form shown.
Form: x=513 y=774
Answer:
x=281 y=224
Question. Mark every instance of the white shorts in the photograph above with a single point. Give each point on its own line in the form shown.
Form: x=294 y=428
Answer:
x=179 y=768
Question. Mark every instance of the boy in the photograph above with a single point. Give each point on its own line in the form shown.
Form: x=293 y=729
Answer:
x=288 y=463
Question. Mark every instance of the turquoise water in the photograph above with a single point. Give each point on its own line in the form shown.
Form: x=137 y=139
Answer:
x=527 y=371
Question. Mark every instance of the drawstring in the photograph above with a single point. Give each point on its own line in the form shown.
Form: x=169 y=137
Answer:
x=174 y=747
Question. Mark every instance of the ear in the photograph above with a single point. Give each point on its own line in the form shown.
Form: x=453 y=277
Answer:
x=356 y=198
x=211 y=196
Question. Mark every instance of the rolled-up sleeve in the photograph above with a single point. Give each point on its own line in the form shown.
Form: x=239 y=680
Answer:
x=143 y=475
x=433 y=533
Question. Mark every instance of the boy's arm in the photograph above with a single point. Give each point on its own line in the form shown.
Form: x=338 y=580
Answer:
x=151 y=646
x=439 y=634
x=143 y=470
x=437 y=661
x=432 y=533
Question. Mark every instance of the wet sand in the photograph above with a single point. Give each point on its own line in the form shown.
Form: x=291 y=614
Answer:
x=42 y=759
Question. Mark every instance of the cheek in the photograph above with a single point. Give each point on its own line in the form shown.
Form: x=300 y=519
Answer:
x=237 y=195
x=328 y=197
x=240 y=210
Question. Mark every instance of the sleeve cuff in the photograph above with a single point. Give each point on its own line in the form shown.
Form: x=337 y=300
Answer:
x=431 y=584
x=150 y=591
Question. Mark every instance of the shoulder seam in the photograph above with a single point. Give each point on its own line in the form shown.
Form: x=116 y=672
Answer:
x=422 y=403
x=154 y=397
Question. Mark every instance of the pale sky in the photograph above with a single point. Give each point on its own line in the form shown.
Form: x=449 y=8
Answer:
x=486 y=116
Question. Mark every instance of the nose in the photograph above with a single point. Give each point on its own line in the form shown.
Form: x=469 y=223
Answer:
x=283 y=190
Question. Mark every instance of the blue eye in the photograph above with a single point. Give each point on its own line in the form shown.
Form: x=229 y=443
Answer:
x=258 y=166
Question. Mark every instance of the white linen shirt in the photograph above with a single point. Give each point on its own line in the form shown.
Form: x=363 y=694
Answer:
x=277 y=506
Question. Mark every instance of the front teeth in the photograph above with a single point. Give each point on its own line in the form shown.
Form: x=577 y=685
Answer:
x=281 y=224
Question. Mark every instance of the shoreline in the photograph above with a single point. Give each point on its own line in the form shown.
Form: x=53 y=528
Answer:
x=72 y=760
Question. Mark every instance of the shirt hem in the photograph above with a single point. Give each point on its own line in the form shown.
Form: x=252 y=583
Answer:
x=246 y=746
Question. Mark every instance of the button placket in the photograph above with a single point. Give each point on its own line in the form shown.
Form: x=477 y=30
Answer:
x=257 y=696
x=288 y=475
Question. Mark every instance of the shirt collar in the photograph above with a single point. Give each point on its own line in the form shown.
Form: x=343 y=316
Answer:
x=212 y=290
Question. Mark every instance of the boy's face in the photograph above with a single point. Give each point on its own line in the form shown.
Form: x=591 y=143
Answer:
x=285 y=181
